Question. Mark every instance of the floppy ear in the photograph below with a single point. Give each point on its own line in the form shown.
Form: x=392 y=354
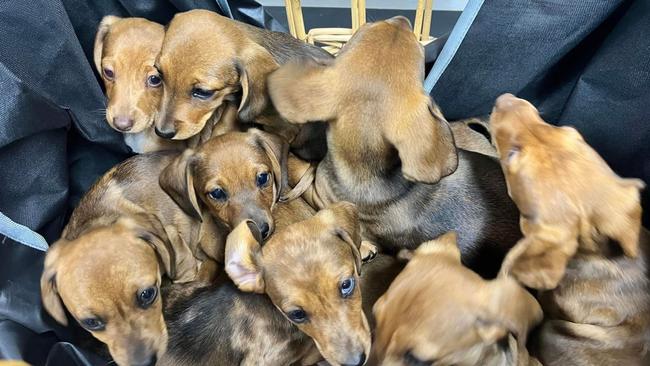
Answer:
x=49 y=293
x=510 y=308
x=445 y=244
x=304 y=92
x=343 y=219
x=177 y=179
x=243 y=252
x=278 y=152
x=539 y=259
x=253 y=71
x=102 y=31
x=425 y=144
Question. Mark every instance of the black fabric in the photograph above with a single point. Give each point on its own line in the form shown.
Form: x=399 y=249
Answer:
x=583 y=63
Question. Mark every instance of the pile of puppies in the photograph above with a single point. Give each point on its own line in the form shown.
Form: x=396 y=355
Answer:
x=292 y=208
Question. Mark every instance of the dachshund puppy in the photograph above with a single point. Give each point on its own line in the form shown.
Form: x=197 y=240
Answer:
x=125 y=236
x=207 y=59
x=309 y=273
x=237 y=176
x=583 y=241
x=438 y=312
x=391 y=152
x=125 y=53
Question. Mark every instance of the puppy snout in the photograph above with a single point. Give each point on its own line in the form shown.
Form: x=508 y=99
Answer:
x=505 y=101
x=166 y=133
x=356 y=360
x=123 y=123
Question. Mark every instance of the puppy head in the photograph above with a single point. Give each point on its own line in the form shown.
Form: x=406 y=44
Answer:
x=566 y=193
x=109 y=281
x=391 y=110
x=437 y=311
x=310 y=270
x=206 y=59
x=239 y=176
x=125 y=52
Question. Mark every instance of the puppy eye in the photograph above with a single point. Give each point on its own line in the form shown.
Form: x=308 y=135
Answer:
x=108 y=73
x=154 y=81
x=218 y=194
x=297 y=316
x=347 y=287
x=93 y=324
x=202 y=93
x=147 y=296
x=513 y=152
x=262 y=179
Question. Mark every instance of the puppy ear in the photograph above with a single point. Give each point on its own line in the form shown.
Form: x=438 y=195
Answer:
x=278 y=152
x=102 y=31
x=425 y=144
x=539 y=260
x=253 y=71
x=49 y=292
x=243 y=252
x=177 y=179
x=445 y=244
x=304 y=92
x=509 y=308
x=343 y=218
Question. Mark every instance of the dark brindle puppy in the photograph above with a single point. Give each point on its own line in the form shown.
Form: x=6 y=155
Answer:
x=583 y=241
x=391 y=152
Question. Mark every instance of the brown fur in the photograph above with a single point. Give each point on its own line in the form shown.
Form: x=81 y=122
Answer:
x=232 y=162
x=439 y=312
x=128 y=47
x=125 y=235
x=391 y=151
x=205 y=50
x=473 y=134
x=583 y=241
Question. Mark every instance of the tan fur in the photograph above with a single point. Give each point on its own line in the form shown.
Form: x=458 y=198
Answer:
x=301 y=267
x=438 y=311
x=126 y=235
x=467 y=136
x=128 y=47
x=205 y=50
x=583 y=241
x=568 y=196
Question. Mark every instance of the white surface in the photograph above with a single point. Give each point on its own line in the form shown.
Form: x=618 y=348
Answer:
x=448 y=5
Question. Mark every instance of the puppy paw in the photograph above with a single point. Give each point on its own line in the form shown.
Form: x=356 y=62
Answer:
x=368 y=251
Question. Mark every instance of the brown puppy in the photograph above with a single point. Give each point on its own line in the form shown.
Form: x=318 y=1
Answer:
x=207 y=59
x=106 y=270
x=238 y=176
x=391 y=151
x=583 y=239
x=310 y=272
x=125 y=53
x=438 y=312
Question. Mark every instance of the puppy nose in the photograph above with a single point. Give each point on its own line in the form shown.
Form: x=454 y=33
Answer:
x=153 y=360
x=357 y=360
x=123 y=123
x=505 y=101
x=165 y=134
x=264 y=230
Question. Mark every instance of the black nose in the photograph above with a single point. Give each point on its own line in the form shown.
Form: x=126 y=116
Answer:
x=361 y=359
x=165 y=134
x=264 y=230
x=153 y=360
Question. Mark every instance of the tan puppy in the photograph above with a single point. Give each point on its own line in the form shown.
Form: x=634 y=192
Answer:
x=583 y=238
x=238 y=176
x=310 y=272
x=391 y=151
x=106 y=270
x=207 y=59
x=125 y=53
x=438 y=312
